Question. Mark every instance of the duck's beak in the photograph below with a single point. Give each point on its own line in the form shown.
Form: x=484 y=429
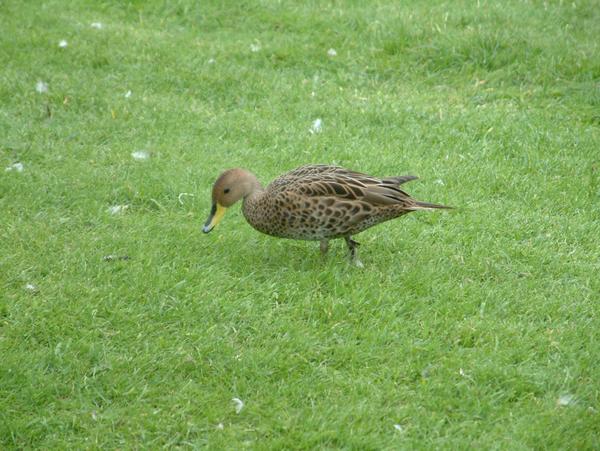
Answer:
x=216 y=214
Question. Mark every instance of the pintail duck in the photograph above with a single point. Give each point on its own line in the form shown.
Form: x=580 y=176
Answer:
x=314 y=202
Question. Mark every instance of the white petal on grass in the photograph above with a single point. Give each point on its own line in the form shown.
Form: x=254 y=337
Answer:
x=317 y=126
x=331 y=52
x=565 y=399
x=182 y=195
x=220 y=426
x=17 y=167
x=41 y=87
x=117 y=209
x=62 y=43
x=465 y=375
x=128 y=94
x=255 y=47
x=30 y=287
x=97 y=25
x=140 y=155
x=239 y=404
x=211 y=61
x=399 y=427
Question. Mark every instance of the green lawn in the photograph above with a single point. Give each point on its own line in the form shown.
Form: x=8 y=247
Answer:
x=473 y=328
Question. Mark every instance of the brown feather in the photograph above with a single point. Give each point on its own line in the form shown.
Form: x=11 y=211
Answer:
x=317 y=202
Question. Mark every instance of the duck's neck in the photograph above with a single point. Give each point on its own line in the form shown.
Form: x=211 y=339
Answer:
x=251 y=187
x=251 y=206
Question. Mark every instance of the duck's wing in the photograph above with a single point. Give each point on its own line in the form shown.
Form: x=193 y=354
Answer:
x=308 y=171
x=346 y=185
x=323 y=173
x=375 y=192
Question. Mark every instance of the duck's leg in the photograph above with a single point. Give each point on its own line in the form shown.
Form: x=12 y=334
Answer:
x=352 y=245
x=324 y=246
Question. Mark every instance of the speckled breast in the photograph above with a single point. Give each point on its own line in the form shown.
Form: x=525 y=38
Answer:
x=314 y=219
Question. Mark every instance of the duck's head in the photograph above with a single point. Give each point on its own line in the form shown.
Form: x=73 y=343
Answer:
x=231 y=186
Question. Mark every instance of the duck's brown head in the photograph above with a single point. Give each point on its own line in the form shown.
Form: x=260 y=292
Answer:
x=231 y=186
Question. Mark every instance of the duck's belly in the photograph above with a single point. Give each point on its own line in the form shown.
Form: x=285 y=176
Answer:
x=314 y=226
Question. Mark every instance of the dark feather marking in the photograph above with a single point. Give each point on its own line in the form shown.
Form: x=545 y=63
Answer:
x=339 y=189
x=356 y=191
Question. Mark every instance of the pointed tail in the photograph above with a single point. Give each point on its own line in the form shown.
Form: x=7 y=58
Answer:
x=430 y=205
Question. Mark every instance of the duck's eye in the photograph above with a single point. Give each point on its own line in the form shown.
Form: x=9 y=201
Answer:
x=226 y=190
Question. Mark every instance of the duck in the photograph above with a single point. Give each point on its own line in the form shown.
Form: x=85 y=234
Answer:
x=316 y=202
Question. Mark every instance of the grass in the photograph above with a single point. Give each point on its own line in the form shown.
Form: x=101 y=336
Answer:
x=476 y=328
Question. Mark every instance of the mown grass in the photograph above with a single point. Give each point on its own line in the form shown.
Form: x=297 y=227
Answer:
x=476 y=328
